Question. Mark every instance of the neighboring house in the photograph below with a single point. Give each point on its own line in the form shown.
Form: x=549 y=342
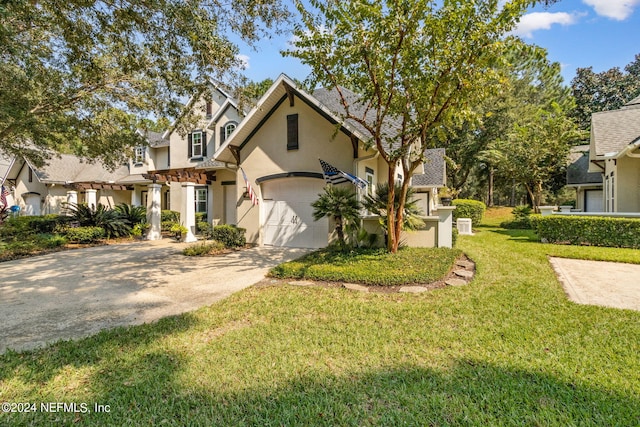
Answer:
x=43 y=190
x=614 y=153
x=588 y=185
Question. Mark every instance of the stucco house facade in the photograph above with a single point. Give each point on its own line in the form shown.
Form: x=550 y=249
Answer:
x=614 y=153
x=277 y=144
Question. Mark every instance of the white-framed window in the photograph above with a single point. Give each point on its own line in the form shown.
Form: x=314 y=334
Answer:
x=228 y=129
x=201 y=199
x=139 y=155
x=369 y=177
x=196 y=144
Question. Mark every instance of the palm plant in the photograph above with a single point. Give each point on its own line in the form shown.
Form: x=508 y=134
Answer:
x=341 y=204
x=133 y=214
x=377 y=205
x=110 y=220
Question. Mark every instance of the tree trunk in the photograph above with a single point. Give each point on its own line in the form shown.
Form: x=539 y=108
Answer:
x=392 y=243
x=490 y=195
x=340 y=231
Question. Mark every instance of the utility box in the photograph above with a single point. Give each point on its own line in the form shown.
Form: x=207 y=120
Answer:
x=464 y=226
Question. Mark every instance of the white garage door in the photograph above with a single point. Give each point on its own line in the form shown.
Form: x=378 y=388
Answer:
x=593 y=201
x=288 y=215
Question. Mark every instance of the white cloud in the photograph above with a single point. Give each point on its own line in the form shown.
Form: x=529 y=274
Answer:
x=543 y=21
x=243 y=61
x=614 y=9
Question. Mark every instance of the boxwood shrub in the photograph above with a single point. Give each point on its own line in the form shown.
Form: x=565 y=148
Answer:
x=84 y=234
x=588 y=230
x=231 y=236
x=466 y=208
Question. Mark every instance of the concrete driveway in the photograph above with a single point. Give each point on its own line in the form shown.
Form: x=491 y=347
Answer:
x=609 y=284
x=77 y=293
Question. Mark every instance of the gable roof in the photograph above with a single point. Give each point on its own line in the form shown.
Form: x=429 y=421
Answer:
x=435 y=171
x=613 y=131
x=68 y=168
x=578 y=167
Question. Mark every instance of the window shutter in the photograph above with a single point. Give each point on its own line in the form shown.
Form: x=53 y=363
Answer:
x=204 y=144
x=292 y=132
x=189 y=146
x=222 y=135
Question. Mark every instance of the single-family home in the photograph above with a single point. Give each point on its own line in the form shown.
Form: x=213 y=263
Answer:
x=258 y=170
x=614 y=153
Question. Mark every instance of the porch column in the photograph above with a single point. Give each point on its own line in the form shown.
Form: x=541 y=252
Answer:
x=92 y=199
x=153 y=212
x=135 y=197
x=188 y=210
x=445 y=226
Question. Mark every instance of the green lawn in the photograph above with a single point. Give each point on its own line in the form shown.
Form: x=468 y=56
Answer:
x=371 y=266
x=509 y=349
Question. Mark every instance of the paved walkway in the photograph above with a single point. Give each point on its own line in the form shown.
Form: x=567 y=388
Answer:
x=77 y=293
x=610 y=284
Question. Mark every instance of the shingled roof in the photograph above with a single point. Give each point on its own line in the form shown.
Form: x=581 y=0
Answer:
x=612 y=131
x=69 y=168
x=435 y=172
x=578 y=167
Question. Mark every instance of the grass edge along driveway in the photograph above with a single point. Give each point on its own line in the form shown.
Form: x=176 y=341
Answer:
x=509 y=349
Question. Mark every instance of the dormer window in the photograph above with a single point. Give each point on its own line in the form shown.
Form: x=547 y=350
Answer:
x=197 y=141
x=227 y=130
x=138 y=156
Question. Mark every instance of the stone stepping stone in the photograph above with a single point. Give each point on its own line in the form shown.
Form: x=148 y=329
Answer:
x=464 y=264
x=302 y=283
x=455 y=282
x=355 y=287
x=413 y=289
x=464 y=273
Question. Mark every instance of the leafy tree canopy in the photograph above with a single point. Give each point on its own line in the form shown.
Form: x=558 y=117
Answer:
x=78 y=75
x=608 y=90
x=417 y=66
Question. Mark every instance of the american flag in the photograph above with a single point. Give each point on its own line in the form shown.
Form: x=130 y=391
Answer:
x=252 y=194
x=335 y=176
x=3 y=196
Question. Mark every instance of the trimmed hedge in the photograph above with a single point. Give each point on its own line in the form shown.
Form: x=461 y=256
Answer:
x=84 y=234
x=229 y=235
x=588 y=230
x=467 y=208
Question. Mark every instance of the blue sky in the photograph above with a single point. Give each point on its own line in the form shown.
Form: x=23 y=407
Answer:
x=576 y=33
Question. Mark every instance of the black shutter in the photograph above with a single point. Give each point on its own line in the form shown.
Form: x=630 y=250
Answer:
x=222 y=135
x=189 y=146
x=292 y=132
x=204 y=144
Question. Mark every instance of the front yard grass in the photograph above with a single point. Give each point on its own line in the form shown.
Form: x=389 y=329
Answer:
x=371 y=266
x=508 y=349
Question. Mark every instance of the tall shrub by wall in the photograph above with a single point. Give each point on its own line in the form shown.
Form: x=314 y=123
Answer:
x=466 y=208
x=588 y=230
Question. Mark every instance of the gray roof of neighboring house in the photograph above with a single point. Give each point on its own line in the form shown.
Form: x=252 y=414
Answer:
x=578 y=166
x=68 y=168
x=634 y=103
x=435 y=171
x=612 y=131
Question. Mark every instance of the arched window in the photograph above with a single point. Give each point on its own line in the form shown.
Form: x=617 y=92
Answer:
x=229 y=128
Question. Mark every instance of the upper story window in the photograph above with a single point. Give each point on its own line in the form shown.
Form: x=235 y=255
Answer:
x=197 y=144
x=138 y=155
x=227 y=130
x=292 y=132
